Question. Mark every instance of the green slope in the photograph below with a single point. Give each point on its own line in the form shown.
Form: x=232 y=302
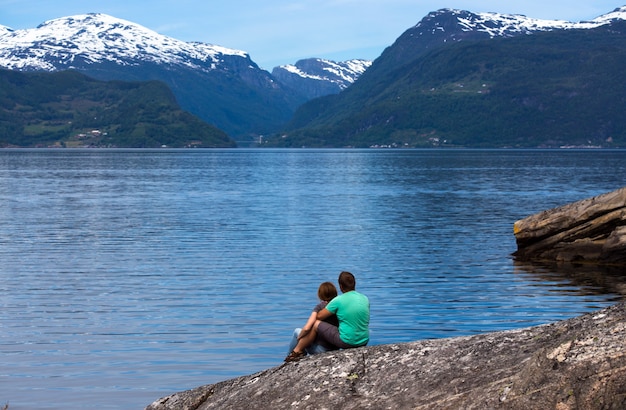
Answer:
x=546 y=89
x=69 y=109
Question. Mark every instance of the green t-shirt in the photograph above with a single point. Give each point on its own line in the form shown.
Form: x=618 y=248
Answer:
x=353 y=311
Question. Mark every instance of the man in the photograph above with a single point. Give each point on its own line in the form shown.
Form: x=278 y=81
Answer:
x=353 y=312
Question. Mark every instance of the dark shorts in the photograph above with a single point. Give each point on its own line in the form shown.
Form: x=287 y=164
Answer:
x=329 y=334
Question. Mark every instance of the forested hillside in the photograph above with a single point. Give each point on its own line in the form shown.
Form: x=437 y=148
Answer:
x=547 y=89
x=69 y=109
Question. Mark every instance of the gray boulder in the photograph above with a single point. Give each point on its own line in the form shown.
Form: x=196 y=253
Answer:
x=592 y=230
x=578 y=363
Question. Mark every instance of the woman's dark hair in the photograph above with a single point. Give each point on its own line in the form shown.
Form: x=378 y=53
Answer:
x=327 y=291
x=346 y=281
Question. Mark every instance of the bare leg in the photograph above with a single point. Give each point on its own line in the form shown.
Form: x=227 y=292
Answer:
x=306 y=341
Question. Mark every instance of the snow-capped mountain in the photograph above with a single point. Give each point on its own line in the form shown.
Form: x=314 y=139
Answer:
x=480 y=79
x=316 y=77
x=445 y=26
x=507 y=25
x=222 y=86
x=70 y=42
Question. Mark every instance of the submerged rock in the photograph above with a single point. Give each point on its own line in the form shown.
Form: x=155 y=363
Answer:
x=592 y=230
x=578 y=363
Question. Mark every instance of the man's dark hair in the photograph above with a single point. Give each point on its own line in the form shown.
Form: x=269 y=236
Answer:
x=346 y=281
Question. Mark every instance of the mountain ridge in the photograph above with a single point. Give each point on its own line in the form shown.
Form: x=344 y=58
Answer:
x=316 y=77
x=223 y=86
x=436 y=84
x=447 y=25
x=100 y=37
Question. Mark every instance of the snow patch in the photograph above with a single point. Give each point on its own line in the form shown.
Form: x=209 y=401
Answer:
x=505 y=25
x=100 y=37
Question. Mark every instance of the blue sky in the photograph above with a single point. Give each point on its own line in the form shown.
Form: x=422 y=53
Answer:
x=276 y=32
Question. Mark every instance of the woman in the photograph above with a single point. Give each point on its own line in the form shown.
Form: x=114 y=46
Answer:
x=326 y=292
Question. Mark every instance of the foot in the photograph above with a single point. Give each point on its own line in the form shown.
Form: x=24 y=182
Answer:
x=294 y=356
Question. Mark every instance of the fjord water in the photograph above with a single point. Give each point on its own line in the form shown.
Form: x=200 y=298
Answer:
x=127 y=275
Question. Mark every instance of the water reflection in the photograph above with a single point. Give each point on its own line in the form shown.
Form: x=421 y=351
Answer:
x=581 y=279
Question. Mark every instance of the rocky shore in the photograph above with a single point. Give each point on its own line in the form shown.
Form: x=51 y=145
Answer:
x=591 y=230
x=578 y=363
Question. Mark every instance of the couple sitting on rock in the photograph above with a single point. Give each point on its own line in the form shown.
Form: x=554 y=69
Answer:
x=337 y=322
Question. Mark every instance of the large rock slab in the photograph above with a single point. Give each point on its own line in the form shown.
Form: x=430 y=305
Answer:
x=592 y=230
x=578 y=363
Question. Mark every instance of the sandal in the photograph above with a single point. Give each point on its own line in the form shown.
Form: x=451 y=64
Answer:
x=295 y=356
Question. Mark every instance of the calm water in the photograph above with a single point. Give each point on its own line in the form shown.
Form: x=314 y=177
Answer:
x=129 y=275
